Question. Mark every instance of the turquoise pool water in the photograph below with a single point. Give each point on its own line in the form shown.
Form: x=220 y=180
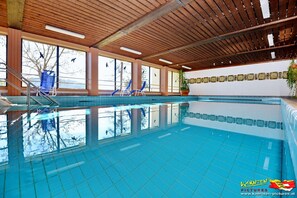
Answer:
x=182 y=149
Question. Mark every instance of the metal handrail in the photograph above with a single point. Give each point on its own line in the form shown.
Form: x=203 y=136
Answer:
x=29 y=84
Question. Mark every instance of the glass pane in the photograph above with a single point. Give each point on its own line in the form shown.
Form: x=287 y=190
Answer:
x=37 y=57
x=169 y=81
x=145 y=76
x=39 y=133
x=2 y=60
x=106 y=123
x=154 y=116
x=72 y=69
x=123 y=122
x=169 y=114
x=123 y=74
x=106 y=73
x=3 y=139
x=72 y=128
x=155 y=79
x=175 y=113
x=144 y=118
x=175 y=87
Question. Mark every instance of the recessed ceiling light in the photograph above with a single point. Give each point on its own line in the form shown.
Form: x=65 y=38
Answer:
x=230 y=62
x=165 y=61
x=214 y=64
x=186 y=67
x=273 y=55
x=265 y=8
x=270 y=40
x=62 y=31
x=130 y=50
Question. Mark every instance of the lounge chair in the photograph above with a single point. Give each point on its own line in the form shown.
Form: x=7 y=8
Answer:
x=139 y=91
x=47 y=83
x=123 y=92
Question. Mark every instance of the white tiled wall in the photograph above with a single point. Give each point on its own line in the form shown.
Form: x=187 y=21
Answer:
x=268 y=87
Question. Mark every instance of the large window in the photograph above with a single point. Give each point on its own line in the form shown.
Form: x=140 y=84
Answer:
x=3 y=139
x=173 y=81
x=72 y=69
x=69 y=65
x=2 y=60
x=113 y=122
x=150 y=117
x=152 y=77
x=172 y=113
x=113 y=74
x=49 y=131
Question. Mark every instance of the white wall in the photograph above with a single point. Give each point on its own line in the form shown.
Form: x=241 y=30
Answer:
x=266 y=87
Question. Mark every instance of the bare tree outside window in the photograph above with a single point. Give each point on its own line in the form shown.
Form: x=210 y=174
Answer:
x=38 y=57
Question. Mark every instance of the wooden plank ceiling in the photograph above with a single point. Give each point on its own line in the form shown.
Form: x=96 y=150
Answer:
x=197 y=33
x=3 y=13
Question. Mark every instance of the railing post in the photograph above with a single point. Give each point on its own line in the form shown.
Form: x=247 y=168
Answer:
x=28 y=95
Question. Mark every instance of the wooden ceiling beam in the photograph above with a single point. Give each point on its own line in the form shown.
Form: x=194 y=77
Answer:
x=234 y=55
x=146 y=19
x=15 y=13
x=225 y=36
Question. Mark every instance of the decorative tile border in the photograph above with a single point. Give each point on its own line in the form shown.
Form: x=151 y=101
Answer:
x=240 y=77
x=236 y=120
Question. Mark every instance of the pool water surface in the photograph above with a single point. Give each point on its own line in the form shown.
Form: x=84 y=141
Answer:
x=185 y=149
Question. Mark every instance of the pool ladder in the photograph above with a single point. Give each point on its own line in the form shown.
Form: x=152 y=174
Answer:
x=29 y=85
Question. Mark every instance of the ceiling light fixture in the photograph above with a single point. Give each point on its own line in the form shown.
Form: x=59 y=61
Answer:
x=270 y=40
x=265 y=8
x=62 y=31
x=130 y=50
x=273 y=55
x=186 y=67
x=165 y=61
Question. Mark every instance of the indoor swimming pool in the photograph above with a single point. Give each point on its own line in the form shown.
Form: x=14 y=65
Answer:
x=172 y=149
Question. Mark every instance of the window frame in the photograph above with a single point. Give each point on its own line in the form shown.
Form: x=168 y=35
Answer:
x=6 y=58
x=115 y=60
x=57 y=63
x=171 y=80
x=149 y=78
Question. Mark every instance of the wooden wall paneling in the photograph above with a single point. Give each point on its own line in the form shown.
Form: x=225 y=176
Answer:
x=14 y=59
x=136 y=74
x=92 y=71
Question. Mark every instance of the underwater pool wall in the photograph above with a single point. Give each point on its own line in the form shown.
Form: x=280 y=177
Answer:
x=289 y=164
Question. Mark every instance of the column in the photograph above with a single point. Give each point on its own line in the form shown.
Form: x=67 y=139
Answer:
x=92 y=72
x=14 y=60
x=92 y=129
x=164 y=81
x=136 y=74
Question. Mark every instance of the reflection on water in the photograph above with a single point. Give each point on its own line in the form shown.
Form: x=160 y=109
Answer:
x=53 y=152
x=54 y=130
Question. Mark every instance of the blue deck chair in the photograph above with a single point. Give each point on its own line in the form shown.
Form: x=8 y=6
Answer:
x=47 y=83
x=49 y=124
x=139 y=91
x=123 y=92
